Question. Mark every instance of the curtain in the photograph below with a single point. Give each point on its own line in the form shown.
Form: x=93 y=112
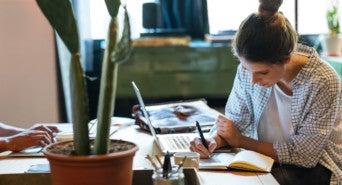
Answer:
x=189 y=15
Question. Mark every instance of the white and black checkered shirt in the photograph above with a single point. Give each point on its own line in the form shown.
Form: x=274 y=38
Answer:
x=315 y=114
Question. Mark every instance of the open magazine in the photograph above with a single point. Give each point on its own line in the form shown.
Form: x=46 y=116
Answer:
x=177 y=117
x=243 y=160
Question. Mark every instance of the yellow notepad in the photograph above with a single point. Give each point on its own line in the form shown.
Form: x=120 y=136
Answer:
x=242 y=160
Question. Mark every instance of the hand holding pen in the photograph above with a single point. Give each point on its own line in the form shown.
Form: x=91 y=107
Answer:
x=203 y=140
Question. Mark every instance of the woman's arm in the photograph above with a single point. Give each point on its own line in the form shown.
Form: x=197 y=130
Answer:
x=258 y=146
x=231 y=135
x=17 y=139
x=3 y=144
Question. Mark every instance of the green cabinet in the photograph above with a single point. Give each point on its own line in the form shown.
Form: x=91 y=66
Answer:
x=168 y=73
x=198 y=70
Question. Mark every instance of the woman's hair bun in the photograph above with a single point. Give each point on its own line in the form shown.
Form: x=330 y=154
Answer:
x=270 y=5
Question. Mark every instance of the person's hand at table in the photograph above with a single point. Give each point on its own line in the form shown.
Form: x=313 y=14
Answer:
x=28 y=138
x=50 y=130
x=226 y=130
x=37 y=135
x=196 y=145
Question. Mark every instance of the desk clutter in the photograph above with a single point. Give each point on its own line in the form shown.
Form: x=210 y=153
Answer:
x=171 y=173
x=164 y=173
x=35 y=170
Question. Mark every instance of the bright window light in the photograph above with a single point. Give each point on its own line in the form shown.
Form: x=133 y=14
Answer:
x=223 y=15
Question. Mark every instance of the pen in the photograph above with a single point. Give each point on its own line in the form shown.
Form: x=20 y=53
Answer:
x=201 y=135
x=167 y=167
x=159 y=161
x=152 y=162
x=181 y=164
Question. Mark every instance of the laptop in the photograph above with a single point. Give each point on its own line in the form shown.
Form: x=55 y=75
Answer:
x=171 y=143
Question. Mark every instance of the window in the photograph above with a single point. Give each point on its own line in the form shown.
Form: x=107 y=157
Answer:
x=223 y=15
x=99 y=18
x=231 y=14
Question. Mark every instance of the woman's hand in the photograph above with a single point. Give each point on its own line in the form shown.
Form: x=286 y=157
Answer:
x=228 y=132
x=196 y=145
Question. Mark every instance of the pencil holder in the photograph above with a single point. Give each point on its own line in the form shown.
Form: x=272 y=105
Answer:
x=174 y=177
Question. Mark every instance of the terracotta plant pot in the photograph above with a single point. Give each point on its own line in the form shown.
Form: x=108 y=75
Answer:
x=112 y=169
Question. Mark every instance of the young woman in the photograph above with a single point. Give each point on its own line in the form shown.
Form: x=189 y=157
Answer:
x=17 y=139
x=285 y=103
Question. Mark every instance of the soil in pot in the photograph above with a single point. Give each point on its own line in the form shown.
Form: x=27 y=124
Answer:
x=68 y=148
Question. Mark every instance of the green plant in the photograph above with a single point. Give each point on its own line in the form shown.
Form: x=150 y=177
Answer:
x=60 y=14
x=333 y=20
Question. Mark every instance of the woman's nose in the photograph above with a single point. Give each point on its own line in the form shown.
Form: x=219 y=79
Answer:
x=254 y=79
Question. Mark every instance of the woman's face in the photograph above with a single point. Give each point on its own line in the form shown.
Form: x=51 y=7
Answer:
x=263 y=74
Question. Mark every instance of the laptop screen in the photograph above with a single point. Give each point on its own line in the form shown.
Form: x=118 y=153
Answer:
x=143 y=108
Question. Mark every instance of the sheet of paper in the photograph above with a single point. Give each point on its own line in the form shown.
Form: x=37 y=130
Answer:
x=35 y=151
x=39 y=168
x=216 y=161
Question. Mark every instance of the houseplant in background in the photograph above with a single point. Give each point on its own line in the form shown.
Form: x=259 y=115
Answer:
x=101 y=161
x=332 y=42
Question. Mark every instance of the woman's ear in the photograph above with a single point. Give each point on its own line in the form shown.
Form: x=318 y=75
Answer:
x=287 y=61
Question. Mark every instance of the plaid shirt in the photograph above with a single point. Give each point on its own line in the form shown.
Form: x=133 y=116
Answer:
x=315 y=114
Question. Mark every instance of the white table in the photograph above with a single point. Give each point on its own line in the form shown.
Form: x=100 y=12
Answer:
x=19 y=165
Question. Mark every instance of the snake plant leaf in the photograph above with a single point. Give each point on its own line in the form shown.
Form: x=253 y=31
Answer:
x=61 y=17
x=79 y=102
x=124 y=47
x=107 y=92
x=109 y=76
x=113 y=7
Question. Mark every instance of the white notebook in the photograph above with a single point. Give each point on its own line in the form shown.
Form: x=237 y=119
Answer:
x=243 y=160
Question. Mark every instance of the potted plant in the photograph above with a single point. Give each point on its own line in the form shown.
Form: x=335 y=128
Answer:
x=81 y=161
x=332 y=42
x=333 y=20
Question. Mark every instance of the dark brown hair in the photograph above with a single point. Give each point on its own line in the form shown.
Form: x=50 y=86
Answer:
x=265 y=36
